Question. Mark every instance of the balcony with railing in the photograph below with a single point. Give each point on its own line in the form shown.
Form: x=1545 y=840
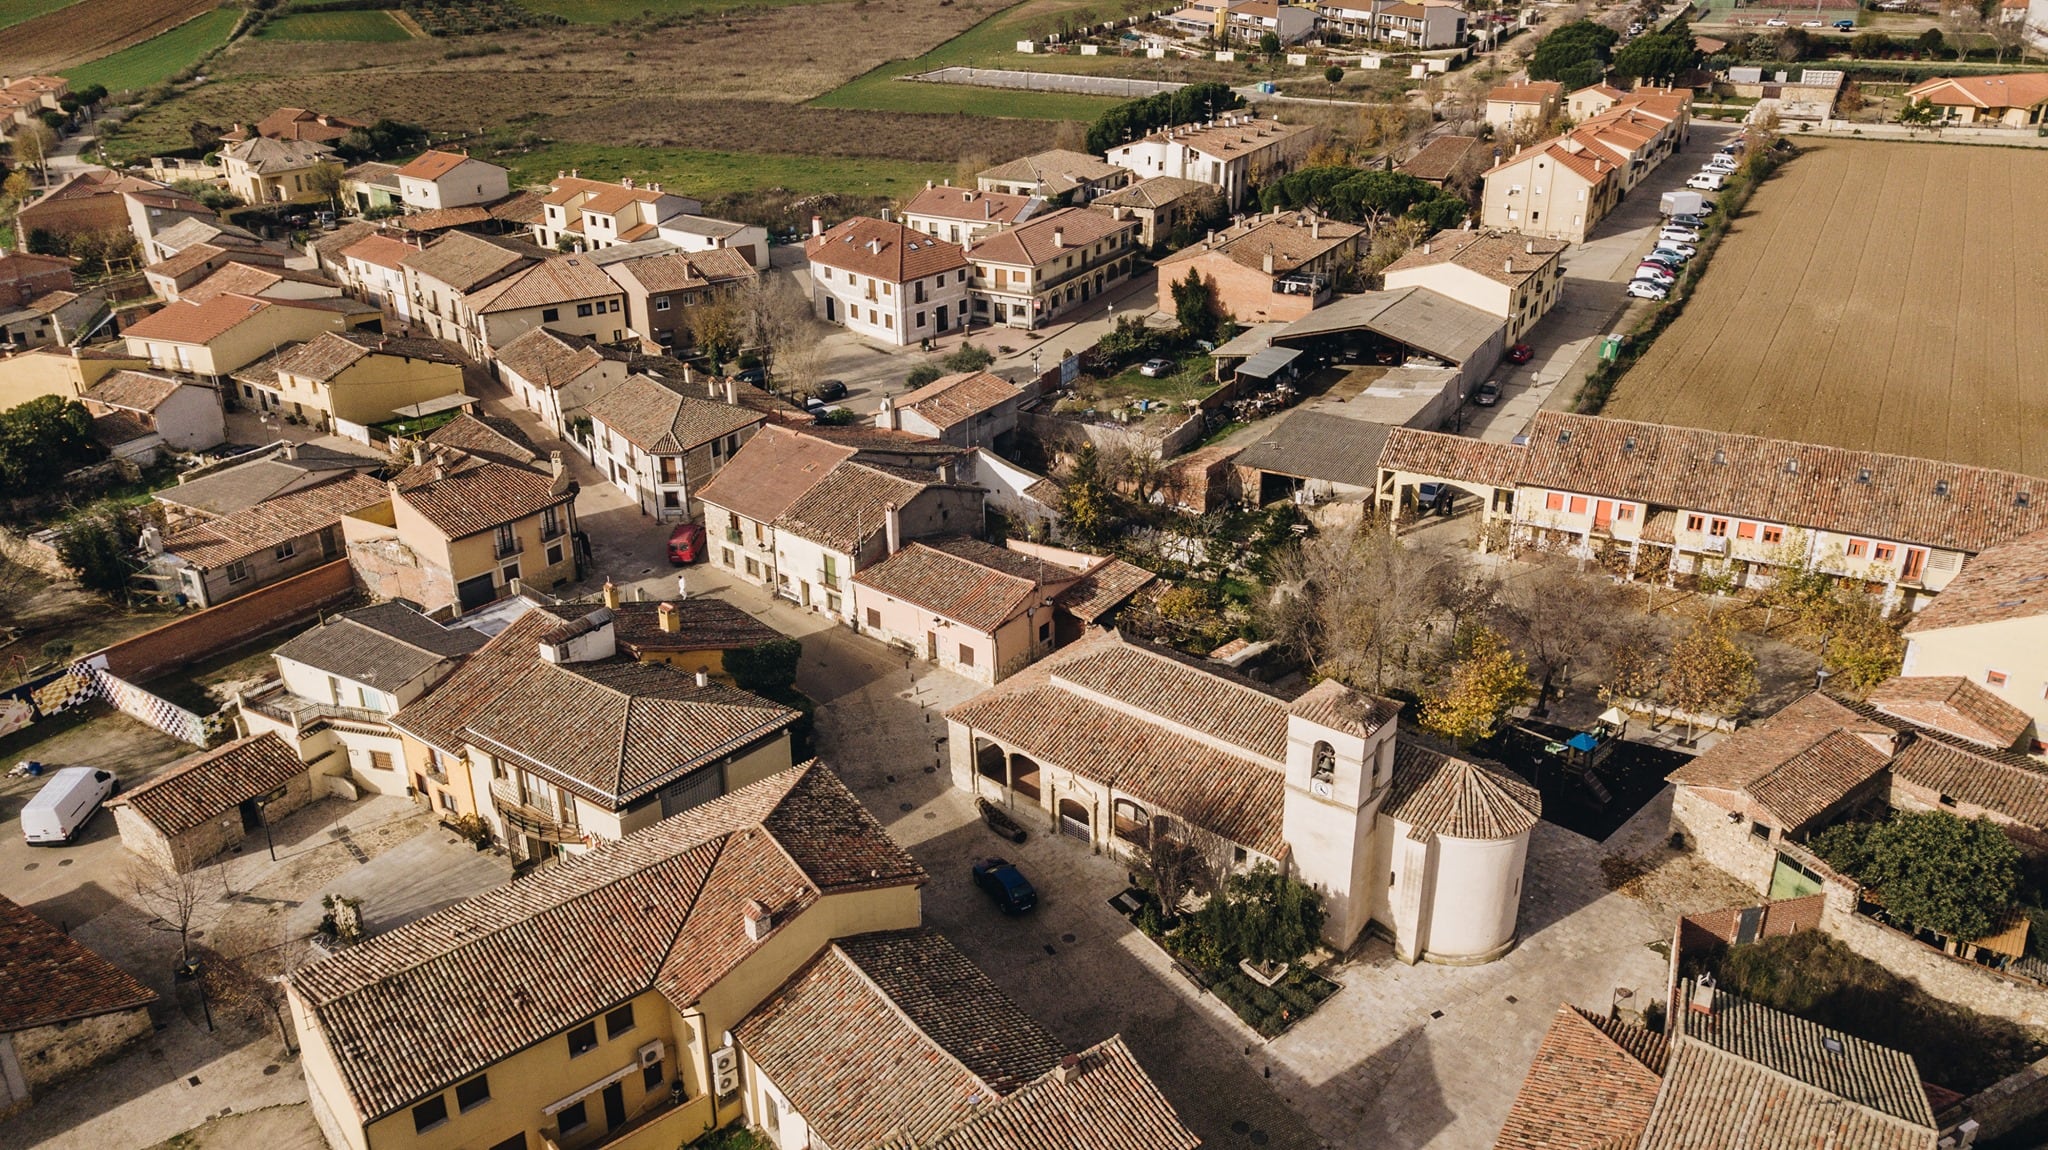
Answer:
x=528 y=819
x=636 y=1131
x=1312 y=284
x=274 y=701
x=504 y=548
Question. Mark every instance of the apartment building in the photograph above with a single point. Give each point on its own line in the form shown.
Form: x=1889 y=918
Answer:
x=1518 y=278
x=230 y=331
x=1428 y=25
x=659 y=446
x=440 y=277
x=1515 y=107
x=661 y=291
x=964 y=215
x=1050 y=265
x=1231 y=155
x=569 y=293
x=347 y=381
x=1272 y=268
x=887 y=281
x=599 y=213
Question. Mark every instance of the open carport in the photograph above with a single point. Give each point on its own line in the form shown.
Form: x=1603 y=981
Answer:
x=1410 y=325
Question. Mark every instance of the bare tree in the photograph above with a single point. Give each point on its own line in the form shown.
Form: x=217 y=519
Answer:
x=784 y=322
x=171 y=898
x=33 y=145
x=257 y=979
x=2007 y=36
x=1362 y=608
x=1961 y=22
x=1560 y=619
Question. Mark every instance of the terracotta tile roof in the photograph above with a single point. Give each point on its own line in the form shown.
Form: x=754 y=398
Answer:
x=1198 y=698
x=1106 y=1102
x=1812 y=780
x=187 y=259
x=951 y=203
x=487 y=437
x=240 y=278
x=1057 y=172
x=1042 y=239
x=240 y=534
x=547 y=358
x=203 y=787
x=46 y=977
x=772 y=471
x=683 y=271
x=1231 y=140
x=135 y=390
x=977 y=585
x=1458 y=799
x=384 y=645
x=1334 y=705
x=301 y=124
x=893 y=1033
x=655 y=418
x=518 y=208
x=1154 y=193
x=2009 y=581
x=1040 y=712
x=1898 y=497
x=418 y=1008
x=1442 y=157
x=1501 y=256
x=883 y=249
x=269 y=157
x=701 y=625
x=639 y=725
x=1586 y=1090
x=477 y=497
x=443 y=219
x=1954 y=704
x=187 y=322
x=433 y=164
x=850 y=505
x=2012 y=90
x=1103 y=589
x=465 y=262
x=954 y=399
x=1292 y=239
x=2009 y=784
x=118 y=427
x=328 y=247
x=1453 y=457
x=1754 y=752
x=1533 y=92
x=560 y=280
x=379 y=250
x=373 y=174
x=331 y=353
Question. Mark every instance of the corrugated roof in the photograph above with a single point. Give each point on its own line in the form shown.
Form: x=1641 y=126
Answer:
x=1314 y=444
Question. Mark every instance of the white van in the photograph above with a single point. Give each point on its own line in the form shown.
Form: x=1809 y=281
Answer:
x=1707 y=181
x=65 y=804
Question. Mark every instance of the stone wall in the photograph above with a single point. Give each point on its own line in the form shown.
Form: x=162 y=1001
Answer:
x=1726 y=844
x=48 y=1053
x=1951 y=979
x=2010 y=1102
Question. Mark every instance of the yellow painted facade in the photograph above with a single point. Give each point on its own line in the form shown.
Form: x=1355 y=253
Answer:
x=31 y=374
x=371 y=389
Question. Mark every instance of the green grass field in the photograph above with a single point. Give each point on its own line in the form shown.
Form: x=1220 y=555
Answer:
x=16 y=11
x=371 y=27
x=613 y=11
x=159 y=57
x=707 y=175
x=990 y=44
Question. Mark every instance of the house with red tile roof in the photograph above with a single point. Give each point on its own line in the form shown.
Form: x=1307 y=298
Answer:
x=455 y=530
x=1516 y=277
x=231 y=331
x=569 y=293
x=1746 y=505
x=373 y=268
x=600 y=213
x=660 y=445
x=1512 y=107
x=184 y=412
x=1112 y=741
x=964 y=215
x=1727 y=1072
x=1051 y=265
x=193 y=812
x=887 y=281
x=1274 y=267
x=295 y=124
x=1990 y=627
x=62 y=1007
x=969 y=409
x=228 y=555
x=2014 y=100
x=438 y=179
x=979 y=610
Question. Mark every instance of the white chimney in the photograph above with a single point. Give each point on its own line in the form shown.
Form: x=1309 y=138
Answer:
x=611 y=595
x=817 y=225
x=893 y=529
x=1059 y=237
x=1315 y=228
x=886 y=416
x=732 y=392
x=1269 y=263
x=703 y=678
x=1530 y=248
x=875 y=247
x=1425 y=247
x=1508 y=266
x=759 y=920
x=927 y=185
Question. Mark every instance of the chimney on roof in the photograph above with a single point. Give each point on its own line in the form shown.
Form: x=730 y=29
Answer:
x=885 y=217
x=1508 y=266
x=611 y=594
x=1530 y=248
x=1315 y=227
x=892 y=527
x=291 y=450
x=689 y=376
x=817 y=225
x=1068 y=1069
x=927 y=185
x=1269 y=263
x=1703 y=995
x=886 y=416
x=575 y=173
x=561 y=174
x=732 y=392
x=875 y=247
x=759 y=920
x=665 y=615
x=1425 y=247
x=625 y=181
x=555 y=467
x=1059 y=237
x=703 y=676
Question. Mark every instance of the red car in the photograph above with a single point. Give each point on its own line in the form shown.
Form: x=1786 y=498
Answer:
x=686 y=544
x=1521 y=353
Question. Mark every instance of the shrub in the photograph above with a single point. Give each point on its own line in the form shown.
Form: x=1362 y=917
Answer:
x=1333 y=73
x=968 y=357
x=769 y=669
x=922 y=374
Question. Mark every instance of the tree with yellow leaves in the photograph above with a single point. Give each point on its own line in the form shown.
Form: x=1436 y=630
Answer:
x=1487 y=679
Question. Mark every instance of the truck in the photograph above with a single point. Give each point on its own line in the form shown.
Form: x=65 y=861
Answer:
x=65 y=804
x=1680 y=203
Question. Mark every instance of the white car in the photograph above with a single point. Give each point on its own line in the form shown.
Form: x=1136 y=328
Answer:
x=1678 y=236
x=1723 y=164
x=1706 y=182
x=1812 y=24
x=1777 y=22
x=1644 y=289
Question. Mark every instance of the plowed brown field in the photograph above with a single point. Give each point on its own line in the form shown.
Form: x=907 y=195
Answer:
x=90 y=29
x=1880 y=296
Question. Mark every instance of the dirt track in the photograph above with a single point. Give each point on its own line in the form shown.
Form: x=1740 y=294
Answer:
x=1880 y=296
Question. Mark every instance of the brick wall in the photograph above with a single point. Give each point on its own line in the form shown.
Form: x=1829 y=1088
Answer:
x=203 y=634
x=48 y=1053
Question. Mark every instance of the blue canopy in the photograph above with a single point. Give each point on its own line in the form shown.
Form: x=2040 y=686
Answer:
x=1582 y=742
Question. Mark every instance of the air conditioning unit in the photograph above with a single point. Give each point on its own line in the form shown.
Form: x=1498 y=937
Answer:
x=650 y=1053
x=725 y=1071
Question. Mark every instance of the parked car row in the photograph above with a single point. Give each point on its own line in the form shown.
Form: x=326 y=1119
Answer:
x=1679 y=236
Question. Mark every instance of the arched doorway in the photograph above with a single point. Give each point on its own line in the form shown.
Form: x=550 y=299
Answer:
x=1129 y=823
x=1074 y=820
x=990 y=763
x=1024 y=776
